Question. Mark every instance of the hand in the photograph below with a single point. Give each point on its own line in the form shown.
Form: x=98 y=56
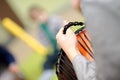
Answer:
x=13 y=68
x=68 y=42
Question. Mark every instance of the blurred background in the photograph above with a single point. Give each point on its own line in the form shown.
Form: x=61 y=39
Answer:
x=29 y=61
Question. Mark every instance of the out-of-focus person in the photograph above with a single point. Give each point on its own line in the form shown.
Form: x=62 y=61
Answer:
x=9 y=69
x=48 y=27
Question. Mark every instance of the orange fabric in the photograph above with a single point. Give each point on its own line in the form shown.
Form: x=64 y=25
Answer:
x=87 y=42
x=87 y=35
x=84 y=53
x=84 y=45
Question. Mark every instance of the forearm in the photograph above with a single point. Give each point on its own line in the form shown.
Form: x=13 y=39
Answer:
x=84 y=69
x=71 y=53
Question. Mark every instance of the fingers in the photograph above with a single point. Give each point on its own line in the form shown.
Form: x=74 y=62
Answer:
x=64 y=23
x=69 y=32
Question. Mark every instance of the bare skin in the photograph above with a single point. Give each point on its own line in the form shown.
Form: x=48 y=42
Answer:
x=13 y=68
x=68 y=43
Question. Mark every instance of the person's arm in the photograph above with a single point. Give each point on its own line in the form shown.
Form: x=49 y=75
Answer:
x=84 y=69
x=68 y=43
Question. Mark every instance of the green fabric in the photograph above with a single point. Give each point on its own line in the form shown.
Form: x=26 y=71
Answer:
x=75 y=28
x=45 y=28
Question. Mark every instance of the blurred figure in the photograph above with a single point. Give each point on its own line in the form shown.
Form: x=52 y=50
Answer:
x=76 y=5
x=8 y=67
x=102 y=20
x=49 y=26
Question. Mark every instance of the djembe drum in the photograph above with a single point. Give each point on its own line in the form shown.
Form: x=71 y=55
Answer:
x=64 y=68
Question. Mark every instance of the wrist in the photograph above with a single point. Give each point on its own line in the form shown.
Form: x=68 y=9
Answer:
x=72 y=53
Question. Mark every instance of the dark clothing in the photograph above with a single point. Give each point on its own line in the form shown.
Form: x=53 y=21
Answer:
x=51 y=60
x=6 y=57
